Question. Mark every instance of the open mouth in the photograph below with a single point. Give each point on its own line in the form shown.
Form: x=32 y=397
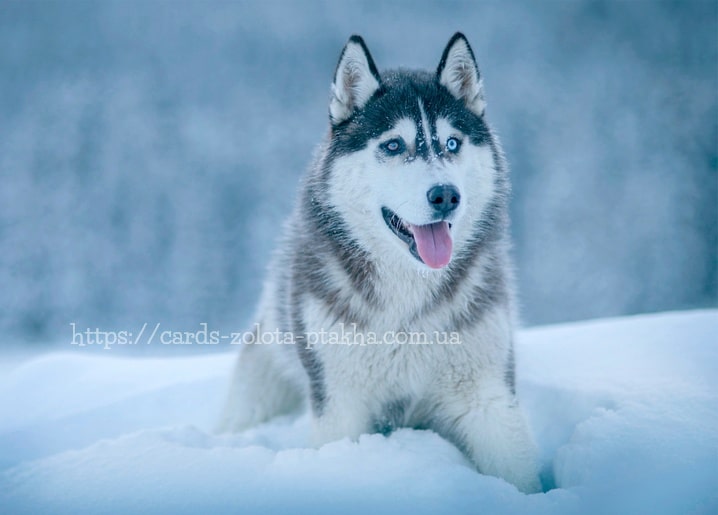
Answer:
x=431 y=243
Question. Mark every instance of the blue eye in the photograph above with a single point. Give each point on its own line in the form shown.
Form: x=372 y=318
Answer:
x=394 y=146
x=453 y=144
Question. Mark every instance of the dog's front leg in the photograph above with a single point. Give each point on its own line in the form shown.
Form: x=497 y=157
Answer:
x=483 y=419
x=340 y=416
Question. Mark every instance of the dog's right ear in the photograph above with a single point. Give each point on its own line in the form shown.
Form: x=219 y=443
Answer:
x=356 y=79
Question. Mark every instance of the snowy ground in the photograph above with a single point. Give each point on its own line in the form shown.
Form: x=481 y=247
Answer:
x=625 y=412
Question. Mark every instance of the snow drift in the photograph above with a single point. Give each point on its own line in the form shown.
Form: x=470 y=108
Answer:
x=625 y=412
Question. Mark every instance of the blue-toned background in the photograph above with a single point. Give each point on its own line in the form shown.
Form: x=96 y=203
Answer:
x=149 y=150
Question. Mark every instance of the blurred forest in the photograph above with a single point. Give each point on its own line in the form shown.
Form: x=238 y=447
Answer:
x=149 y=150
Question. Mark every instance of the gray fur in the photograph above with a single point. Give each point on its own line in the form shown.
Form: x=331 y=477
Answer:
x=510 y=372
x=392 y=416
x=310 y=361
x=340 y=264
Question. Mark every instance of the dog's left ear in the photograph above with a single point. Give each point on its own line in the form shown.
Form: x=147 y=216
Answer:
x=459 y=74
x=356 y=79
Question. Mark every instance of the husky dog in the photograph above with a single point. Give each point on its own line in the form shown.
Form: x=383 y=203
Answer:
x=399 y=237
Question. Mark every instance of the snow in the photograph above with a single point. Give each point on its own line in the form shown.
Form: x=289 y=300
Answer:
x=625 y=412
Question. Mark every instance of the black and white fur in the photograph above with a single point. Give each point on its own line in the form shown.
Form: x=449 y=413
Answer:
x=341 y=263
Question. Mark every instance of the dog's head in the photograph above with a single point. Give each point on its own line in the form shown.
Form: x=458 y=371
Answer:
x=413 y=164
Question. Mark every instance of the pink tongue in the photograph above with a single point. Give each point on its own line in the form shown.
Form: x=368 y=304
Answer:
x=434 y=244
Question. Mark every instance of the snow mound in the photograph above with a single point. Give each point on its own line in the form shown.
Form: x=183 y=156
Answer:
x=625 y=412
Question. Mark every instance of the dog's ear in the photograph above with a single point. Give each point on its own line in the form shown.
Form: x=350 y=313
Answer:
x=459 y=74
x=356 y=79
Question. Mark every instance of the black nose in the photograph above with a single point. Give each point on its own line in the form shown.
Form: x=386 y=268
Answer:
x=444 y=198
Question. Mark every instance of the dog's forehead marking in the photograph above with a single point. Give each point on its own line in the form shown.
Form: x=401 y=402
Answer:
x=425 y=135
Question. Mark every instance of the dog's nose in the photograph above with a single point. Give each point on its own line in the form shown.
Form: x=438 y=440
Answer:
x=444 y=198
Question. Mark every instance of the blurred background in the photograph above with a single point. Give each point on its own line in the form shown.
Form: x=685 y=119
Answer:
x=149 y=150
